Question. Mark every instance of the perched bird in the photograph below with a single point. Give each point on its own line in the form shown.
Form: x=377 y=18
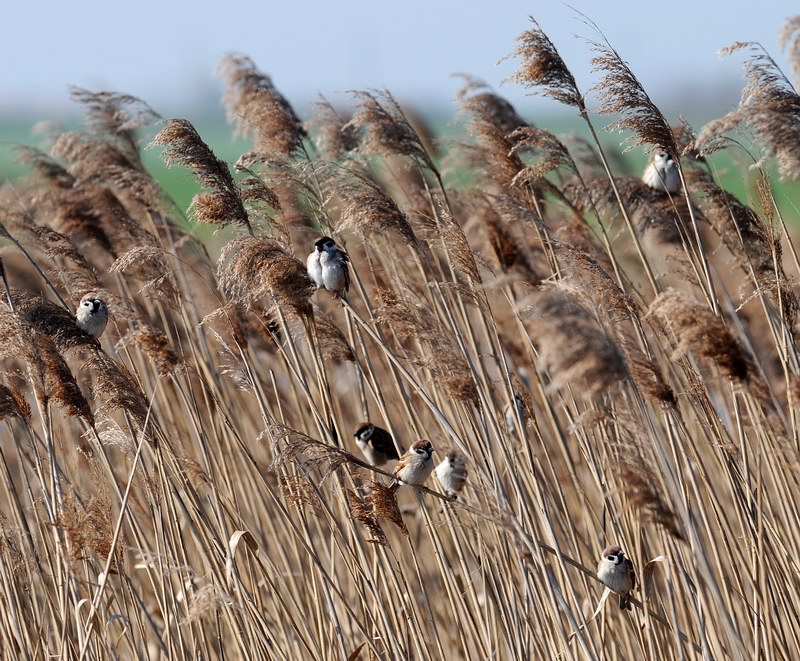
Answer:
x=328 y=267
x=376 y=444
x=616 y=572
x=662 y=173
x=415 y=466
x=511 y=418
x=452 y=474
x=92 y=315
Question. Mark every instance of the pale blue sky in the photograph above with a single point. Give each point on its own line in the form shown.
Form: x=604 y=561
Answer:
x=165 y=51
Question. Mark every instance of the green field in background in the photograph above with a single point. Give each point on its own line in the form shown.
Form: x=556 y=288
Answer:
x=731 y=168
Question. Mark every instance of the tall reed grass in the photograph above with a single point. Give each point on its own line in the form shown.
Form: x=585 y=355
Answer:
x=188 y=486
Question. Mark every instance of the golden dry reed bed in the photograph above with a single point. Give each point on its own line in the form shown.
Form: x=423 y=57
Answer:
x=187 y=485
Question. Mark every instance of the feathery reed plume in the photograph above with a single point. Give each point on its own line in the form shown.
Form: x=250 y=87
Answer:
x=222 y=205
x=148 y=262
x=383 y=129
x=13 y=404
x=477 y=96
x=583 y=271
x=332 y=341
x=542 y=66
x=639 y=484
x=650 y=210
x=789 y=41
x=620 y=92
x=368 y=208
x=206 y=602
x=45 y=167
x=334 y=138
x=56 y=245
x=258 y=108
x=492 y=152
x=754 y=242
x=293 y=448
x=117 y=389
x=549 y=154
x=116 y=114
x=384 y=504
x=155 y=345
x=252 y=267
x=698 y=329
x=60 y=384
x=648 y=378
x=362 y=510
x=455 y=242
x=573 y=347
x=99 y=162
x=769 y=106
x=89 y=526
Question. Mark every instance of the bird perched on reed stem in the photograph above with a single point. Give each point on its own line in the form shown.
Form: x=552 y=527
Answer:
x=452 y=474
x=328 y=266
x=616 y=572
x=415 y=466
x=376 y=444
x=92 y=315
x=662 y=173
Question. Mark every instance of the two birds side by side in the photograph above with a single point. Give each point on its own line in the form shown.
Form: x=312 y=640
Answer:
x=415 y=465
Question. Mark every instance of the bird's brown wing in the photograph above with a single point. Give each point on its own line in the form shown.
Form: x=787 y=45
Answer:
x=632 y=572
x=346 y=262
x=382 y=441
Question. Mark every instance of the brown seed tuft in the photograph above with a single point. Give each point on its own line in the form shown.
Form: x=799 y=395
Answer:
x=384 y=505
x=542 y=66
x=250 y=268
x=183 y=146
x=258 y=109
x=573 y=346
x=620 y=92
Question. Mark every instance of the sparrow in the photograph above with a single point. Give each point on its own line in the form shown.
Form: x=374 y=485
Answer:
x=616 y=572
x=662 y=173
x=452 y=474
x=511 y=419
x=415 y=466
x=328 y=267
x=376 y=444
x=92 y=315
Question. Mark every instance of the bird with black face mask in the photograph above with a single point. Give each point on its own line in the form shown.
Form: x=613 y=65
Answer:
x=616 y=572
x=92 y=315
x=415 y=466
x=328 y=266
x=376 y=444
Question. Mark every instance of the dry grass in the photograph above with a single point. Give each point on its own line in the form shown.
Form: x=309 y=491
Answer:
x=187 y=487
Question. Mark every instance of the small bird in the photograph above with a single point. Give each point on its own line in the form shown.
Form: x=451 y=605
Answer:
x=511 y=419
x=415 y=466
x=376 y=444
x=616 y=572
x=92 y=315
x=452 y=474
x=662 y=173
x=328 y=267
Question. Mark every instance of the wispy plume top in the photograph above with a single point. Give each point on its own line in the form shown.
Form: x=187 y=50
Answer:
x=543 y=67
x=384 y=130
x=258 y=109
x=222 y=204
x=770 y=107
x=620 y=92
